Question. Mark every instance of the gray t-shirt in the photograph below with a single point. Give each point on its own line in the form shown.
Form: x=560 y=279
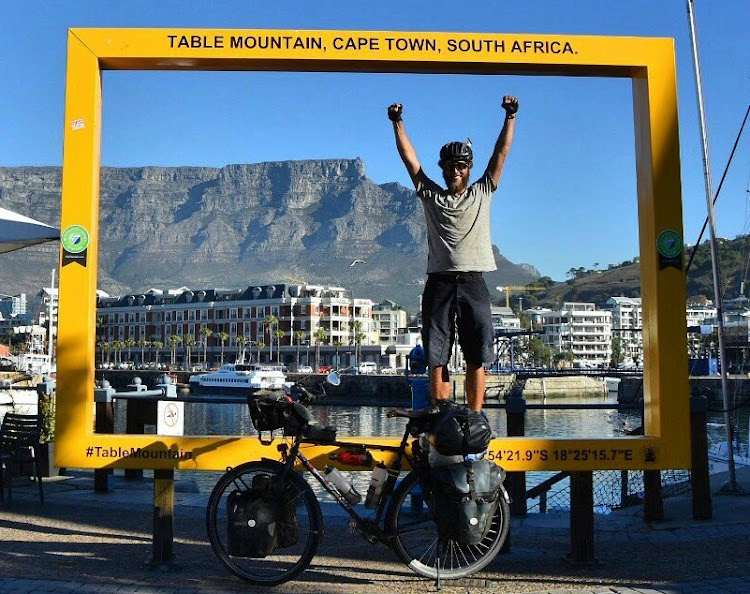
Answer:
x=458 y=227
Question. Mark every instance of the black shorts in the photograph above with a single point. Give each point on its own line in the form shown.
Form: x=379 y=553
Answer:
x=457 y=301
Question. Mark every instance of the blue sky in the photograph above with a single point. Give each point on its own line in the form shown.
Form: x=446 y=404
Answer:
x=567 y=197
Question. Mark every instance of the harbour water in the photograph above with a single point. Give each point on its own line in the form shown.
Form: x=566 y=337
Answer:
x=220 y=419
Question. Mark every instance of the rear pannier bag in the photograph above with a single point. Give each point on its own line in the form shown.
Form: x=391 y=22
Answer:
x=465 y=497
x=253 y=515
x=459 y=431
x=259 y=522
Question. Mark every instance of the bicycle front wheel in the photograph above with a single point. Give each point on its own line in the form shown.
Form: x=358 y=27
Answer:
x=296 y=531
x=414 y=535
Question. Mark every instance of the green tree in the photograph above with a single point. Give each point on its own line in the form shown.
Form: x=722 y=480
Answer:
x=565 y=356
x=189 y=342
x=158 y=345
x=539 y=352
x=279 y=333
x=129 y=344
x=618 y=351
x=174 y=342
x=271 y=322
x=241 y=341
x=143 y=343
x=103 y=347
x=223 y=337
x=320 y=335
x=205 y=333
x=298 y=336
x=261 y=345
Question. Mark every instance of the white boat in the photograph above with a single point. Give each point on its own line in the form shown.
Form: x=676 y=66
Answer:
x=239 y=378
x=34 y=364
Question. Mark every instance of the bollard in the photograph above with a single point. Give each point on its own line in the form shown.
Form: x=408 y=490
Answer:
x=163 y=537
x=515 y=408
x=653 y=504
x=103 y=423
x=699 y=477
x=581 y=519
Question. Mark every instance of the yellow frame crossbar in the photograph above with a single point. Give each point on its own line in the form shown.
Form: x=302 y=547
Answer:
x=648 y=62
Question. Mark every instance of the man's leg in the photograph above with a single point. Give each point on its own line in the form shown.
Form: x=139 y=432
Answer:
x=440 y=385
x=475 y=386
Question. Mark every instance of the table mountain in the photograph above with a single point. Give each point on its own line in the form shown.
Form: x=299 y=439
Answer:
x=289 y=221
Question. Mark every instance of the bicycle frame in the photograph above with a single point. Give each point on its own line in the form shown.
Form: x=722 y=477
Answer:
x=368 y=527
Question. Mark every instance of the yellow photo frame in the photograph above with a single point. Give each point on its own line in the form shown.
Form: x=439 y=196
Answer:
x=648 y=62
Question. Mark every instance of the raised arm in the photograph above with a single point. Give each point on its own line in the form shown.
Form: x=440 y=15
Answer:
x=504 y=141
x=403 y=144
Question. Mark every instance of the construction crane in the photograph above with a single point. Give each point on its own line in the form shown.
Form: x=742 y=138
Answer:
x=522 y=289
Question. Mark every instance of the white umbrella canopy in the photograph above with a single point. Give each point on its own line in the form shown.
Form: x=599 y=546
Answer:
x=18 y=231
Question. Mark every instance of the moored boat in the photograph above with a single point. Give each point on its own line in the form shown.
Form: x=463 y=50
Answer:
x=239 y=379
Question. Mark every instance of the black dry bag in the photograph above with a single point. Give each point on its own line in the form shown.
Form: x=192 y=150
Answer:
x=459 y=431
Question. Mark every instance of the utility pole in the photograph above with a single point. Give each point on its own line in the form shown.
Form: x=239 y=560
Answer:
x=731 y=487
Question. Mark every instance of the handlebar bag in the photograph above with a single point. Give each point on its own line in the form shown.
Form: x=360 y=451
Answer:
x=465 y=497
x=267 y=414
x=458 y=430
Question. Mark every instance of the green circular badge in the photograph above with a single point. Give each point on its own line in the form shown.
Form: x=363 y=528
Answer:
x=75 y=239
x=669 y=243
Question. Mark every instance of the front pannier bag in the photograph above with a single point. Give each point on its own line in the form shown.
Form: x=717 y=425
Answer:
x=459 y=431
x=465 y=497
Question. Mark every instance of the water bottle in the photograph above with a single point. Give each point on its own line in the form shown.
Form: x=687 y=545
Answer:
x=343 y=485
x=375 y=490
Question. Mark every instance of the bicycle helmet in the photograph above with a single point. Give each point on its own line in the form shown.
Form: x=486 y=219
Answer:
x=456 y=151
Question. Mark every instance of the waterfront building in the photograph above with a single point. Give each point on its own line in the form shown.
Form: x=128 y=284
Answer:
x=503 y=318
x=627 y=324
x=581 y=329
x=270 y=322
x=390 y=319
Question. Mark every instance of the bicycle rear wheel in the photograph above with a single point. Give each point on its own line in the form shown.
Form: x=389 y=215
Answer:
x=298 y=528
x=415 y=538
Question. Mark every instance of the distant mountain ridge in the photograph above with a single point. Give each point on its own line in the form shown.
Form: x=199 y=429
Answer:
x=287 y=221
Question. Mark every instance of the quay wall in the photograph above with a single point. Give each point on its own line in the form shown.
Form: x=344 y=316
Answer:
x=631 y=389
x=394 y=390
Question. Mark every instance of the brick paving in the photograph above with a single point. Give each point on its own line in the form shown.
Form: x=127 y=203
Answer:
x=82 y=542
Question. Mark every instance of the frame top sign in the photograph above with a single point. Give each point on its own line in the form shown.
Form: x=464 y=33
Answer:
x=648 y=62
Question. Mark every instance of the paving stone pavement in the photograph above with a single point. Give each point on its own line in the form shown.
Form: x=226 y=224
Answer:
x=80 y=541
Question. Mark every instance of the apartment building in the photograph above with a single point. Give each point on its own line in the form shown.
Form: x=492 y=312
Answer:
x=627 y=324
x=306 y=315
x=389 y=319
x=581 y=329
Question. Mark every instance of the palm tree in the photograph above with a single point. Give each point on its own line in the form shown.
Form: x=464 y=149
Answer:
x=338 y=343
x=271 y=322
x=174 y=342
x=260 y=346
x=143 y=343
x=241 y=340
x=117 y=346
x=189 y=342
x=358 y=336
x=157 y=344
x=223 y=337
x=320 y=335
x=103 y=347
x=206 y=333
x=129 y=344
x=279 y=333
x=298 y=336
